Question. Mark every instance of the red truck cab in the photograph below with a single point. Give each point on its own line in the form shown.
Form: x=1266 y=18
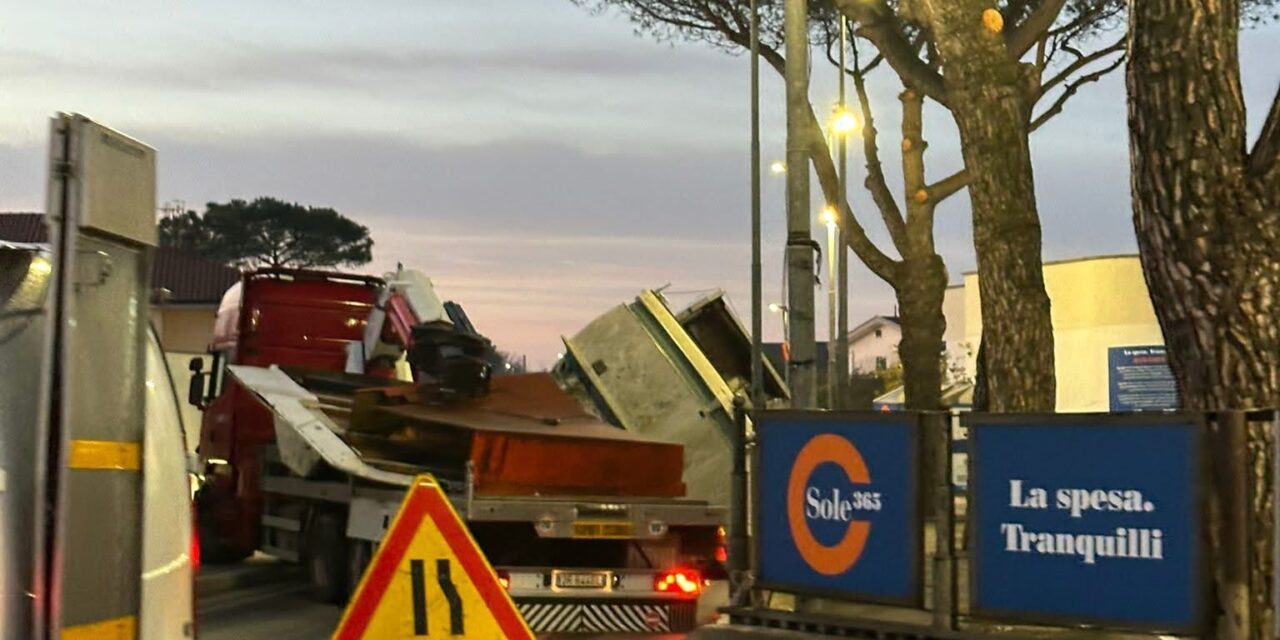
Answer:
x=286 y=317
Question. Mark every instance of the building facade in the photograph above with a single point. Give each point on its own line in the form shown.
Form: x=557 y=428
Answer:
x=873 y=345
x=1108 y=346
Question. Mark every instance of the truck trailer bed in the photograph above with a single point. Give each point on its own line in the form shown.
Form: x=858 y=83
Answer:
x=524 y=438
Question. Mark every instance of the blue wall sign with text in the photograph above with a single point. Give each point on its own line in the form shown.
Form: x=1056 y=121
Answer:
x=1087 y=519
x=839 y=504
x=1139 y=379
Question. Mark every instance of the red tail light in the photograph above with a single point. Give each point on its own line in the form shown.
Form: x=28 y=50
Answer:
x=722 y=550
x=504 y=579
x=195 y=549
x=195 y=570
x=681 y=581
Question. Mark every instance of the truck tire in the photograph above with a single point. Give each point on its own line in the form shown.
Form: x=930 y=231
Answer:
x=326 y=559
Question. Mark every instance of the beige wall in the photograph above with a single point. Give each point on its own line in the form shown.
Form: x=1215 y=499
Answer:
x=186 y=329
x=1097 y=303
x=179 y=368
x=958 y=346
x=185 y=333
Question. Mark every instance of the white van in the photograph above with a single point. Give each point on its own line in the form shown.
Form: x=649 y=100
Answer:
x=170 y=553
x=168 y=548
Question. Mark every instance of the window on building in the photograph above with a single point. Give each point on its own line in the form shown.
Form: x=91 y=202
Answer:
x=878 y=333
x=881 y=363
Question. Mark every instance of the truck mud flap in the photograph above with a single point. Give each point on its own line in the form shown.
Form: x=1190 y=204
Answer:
x=556 y=616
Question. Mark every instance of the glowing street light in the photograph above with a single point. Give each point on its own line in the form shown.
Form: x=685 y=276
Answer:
x=828 y=216
x=778 y=167
x=776 y=308
x=844 y=122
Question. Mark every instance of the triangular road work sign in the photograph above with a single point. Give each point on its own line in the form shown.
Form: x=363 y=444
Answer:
x=428 y=579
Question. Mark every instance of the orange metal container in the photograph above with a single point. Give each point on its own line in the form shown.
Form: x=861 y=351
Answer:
x=528 y=437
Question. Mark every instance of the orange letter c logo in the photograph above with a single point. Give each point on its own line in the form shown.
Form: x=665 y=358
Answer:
x=826 y=560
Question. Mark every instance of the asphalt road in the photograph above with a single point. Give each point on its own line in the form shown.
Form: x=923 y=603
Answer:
x=279 y=611
x=253 y=602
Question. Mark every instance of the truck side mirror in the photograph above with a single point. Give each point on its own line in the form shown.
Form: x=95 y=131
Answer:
x=195 y=391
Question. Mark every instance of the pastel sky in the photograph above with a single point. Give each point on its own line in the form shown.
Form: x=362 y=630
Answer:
x=540 y=163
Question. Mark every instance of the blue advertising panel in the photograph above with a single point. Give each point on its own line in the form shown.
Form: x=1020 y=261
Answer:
x=1078 y=519
x=1139 y=379
x=839 y=505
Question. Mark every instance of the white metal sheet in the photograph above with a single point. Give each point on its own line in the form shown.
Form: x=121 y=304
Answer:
x=304 y=434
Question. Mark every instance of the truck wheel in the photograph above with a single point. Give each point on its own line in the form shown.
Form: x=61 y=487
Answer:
x=361 y=553
x=326 y=559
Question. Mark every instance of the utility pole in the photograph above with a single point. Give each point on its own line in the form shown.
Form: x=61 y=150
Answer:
x=841 y=386
x=799 y=255
x=833 y=250
x=739 y=542
x=757 y=309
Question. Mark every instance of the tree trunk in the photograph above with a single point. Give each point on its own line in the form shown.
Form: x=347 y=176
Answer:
x=923 y=280
x=920 y=292
x=1208 y=228
x=1207 y=215
x=981 y=398
x=987 y=96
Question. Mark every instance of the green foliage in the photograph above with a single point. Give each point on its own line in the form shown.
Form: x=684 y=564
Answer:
x=890 y=377
x=270 y=232
x=862 y=390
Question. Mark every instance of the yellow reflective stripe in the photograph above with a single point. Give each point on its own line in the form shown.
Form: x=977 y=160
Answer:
x=104 y=454
x=125 y=628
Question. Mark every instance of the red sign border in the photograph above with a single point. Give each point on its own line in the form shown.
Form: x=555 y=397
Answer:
x=426 y=499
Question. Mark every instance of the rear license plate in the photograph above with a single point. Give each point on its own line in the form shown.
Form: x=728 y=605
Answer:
x=598 y=580
x=603 y=530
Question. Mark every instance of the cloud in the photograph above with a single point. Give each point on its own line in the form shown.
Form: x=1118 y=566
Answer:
x=487 y=189
x=241 y=65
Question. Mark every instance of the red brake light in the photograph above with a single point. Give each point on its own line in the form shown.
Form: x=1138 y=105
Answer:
x=681 y=581
x=195 y=569
x=195 y=546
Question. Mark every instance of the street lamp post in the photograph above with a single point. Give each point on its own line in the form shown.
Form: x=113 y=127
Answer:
x=843 y=124
x=775 y=307
x=799 y=259
x=842 y=271
x=829 y=219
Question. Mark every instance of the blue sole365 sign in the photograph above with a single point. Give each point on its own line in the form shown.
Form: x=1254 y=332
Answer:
x=1087 y=519
x=839 y=508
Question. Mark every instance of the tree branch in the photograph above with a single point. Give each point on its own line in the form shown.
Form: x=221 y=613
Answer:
x=1079 y=22
x=829 y=179
x=1071 y=90
x=1021 y=38
x=946 y=187
x=1265 y=157
x=875 y=62
x=1081 y=62
x=653 y=14
x=876 y=183
x=882 y=27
